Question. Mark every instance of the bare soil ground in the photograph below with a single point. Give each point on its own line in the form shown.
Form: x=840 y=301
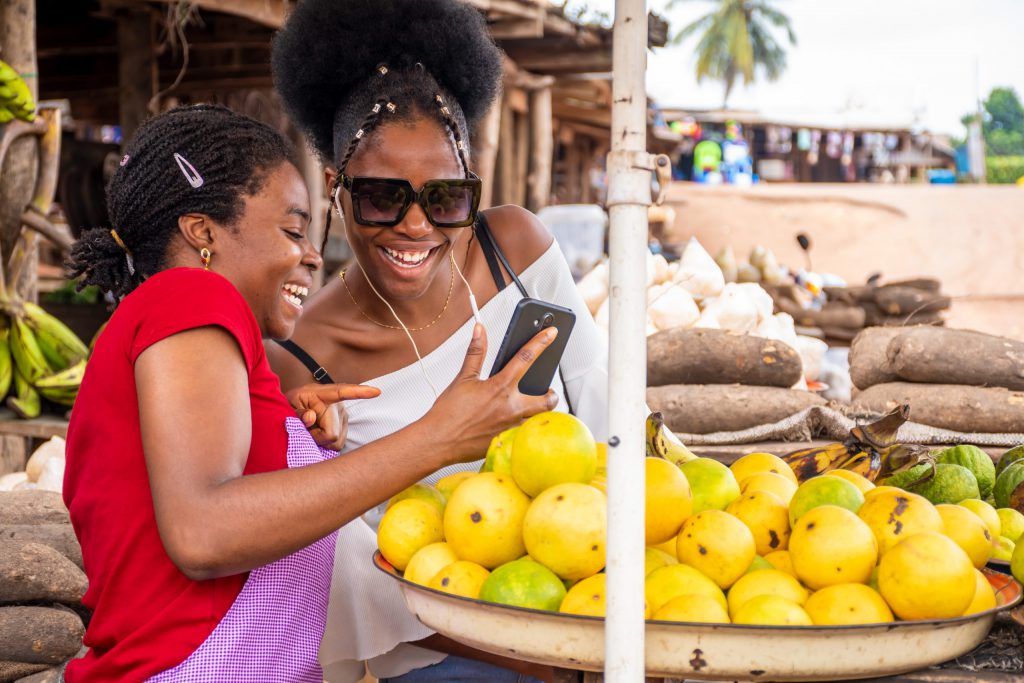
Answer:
x=970 y=237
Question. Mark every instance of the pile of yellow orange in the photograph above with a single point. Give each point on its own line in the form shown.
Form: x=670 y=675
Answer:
x=743 y=544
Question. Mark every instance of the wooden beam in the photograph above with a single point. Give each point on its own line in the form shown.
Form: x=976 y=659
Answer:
x=270 y=13
x=542 y=61
x=517 y=29
x=542 y=147
x=590 y=131
x=596 y=117
x=137 y=68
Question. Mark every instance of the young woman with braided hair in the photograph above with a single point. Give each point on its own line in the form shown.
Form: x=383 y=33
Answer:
x=206 y=510
x=387 y=92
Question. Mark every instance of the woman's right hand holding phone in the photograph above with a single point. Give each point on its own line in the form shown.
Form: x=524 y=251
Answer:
x=471 y=411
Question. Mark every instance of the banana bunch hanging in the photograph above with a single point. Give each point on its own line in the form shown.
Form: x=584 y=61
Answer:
x=39 y=358
x=15 y=97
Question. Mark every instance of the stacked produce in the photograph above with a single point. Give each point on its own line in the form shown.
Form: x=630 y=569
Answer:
x=706 y=329
x=41 y=584
x=848 y=310
x=746 y=544
x=40 y=358
x=44 y=470
x=955 y=379
x=738 y=381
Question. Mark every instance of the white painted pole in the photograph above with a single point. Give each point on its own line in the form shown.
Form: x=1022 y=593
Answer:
x=629 y=195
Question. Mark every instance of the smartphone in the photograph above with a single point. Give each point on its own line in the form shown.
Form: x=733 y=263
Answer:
x=530 y=317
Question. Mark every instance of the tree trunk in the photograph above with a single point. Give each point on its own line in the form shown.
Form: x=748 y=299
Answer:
x=542 y=146
x=18 y=172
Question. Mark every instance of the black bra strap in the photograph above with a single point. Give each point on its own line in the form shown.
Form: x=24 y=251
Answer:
x=319 y=373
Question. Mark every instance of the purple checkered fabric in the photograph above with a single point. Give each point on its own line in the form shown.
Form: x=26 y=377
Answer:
x=272 y=632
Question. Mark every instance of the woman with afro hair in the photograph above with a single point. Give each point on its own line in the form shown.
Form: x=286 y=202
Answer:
x=387 y=92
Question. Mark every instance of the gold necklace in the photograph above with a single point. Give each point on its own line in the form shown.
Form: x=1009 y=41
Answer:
x=451 y=288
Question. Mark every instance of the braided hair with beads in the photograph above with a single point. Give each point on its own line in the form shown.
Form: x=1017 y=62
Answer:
x=342 y=68
x=201 y=159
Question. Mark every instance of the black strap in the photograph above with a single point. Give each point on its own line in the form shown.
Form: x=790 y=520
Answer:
x=483 y=233
x=319 y=373
x=494 y=256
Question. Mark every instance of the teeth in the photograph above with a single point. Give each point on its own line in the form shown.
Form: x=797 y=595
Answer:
x=292 y=299
x=297 y=290
x=407 y=258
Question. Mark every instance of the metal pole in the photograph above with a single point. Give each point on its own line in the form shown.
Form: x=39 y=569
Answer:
x=629 y=195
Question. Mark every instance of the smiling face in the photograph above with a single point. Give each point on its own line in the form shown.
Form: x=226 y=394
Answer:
x=406 y=260
x=267 y=254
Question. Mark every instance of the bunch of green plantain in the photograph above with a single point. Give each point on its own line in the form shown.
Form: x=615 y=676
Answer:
x=15 y=97
x=662 y=443
x=869 y=450
x=39 y=358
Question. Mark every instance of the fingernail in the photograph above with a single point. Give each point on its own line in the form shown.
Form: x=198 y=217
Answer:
x=476 y=331
x=550 y=334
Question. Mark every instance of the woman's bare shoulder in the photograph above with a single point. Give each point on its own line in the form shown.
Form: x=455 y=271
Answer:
x=519 y=233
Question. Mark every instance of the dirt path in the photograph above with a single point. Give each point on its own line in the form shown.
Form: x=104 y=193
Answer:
x=970 y=237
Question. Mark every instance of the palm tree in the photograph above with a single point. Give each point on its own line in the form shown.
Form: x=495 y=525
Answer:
x=736 y=39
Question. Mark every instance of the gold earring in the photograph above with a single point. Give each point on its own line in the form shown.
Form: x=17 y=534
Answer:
x=204 y=257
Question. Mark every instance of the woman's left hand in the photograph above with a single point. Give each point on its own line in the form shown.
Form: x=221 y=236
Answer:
x=319 y=407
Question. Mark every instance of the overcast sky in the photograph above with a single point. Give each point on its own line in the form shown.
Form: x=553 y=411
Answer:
x=879 y=60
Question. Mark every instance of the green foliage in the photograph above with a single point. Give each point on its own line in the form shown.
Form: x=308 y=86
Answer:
x=69 y=294
x=1003 y=123
x=737 y=39
x=1004 y=110
x=1004 y=169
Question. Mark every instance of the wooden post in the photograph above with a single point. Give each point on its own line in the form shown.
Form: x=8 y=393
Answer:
x=485 y=152
x=522 y=152
x=505 y=191
x=18 y=175
x=137 y=68
x=542 y=149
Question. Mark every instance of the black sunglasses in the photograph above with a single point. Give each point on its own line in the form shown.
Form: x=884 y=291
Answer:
x=383 y=202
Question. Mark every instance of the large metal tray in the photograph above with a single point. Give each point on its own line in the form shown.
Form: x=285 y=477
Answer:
x=709 y=651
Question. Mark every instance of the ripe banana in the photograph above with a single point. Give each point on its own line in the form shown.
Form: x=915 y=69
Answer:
x=867 y=464
x=62 y=396
x=69 y=378
x=662 y=443
x=810 y=462
x=28 y=357
x=25 y=401
x=59 y=344
x=6 y=363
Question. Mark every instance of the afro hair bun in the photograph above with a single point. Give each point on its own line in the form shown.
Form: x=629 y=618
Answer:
x=329 y=47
